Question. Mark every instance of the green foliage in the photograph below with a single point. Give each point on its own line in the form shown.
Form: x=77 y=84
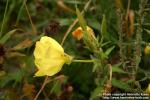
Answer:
x=120 y=84
x=120 y=63
x=115 y=68
x=109 y=50
x=81 y=19
x=104 y=28
x=96 y=93
x=56 y=88
x=10 y=77
x=7 y=36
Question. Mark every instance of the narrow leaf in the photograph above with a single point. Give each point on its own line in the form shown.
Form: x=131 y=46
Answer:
x=7 y=36
x=56 y=88
x=81 y=19
x=24 y=44
x=148 y=31
x=120 y=84
x=14 y=54
x=96 y=93
x=118 y=70
x=104 y=44
x=104 y=27
x=109 y=50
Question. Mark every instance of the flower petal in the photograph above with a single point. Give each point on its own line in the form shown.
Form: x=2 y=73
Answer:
x=49 y=57
x=49 y=70
x=50 y=42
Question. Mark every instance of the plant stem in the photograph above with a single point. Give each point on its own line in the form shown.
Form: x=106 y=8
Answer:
x=120 y=33
x=110 y=72
x=84 y=61
x=42 y=87
x=19 y=13
x=138 y=47
x=33 y=26
x=128 y=8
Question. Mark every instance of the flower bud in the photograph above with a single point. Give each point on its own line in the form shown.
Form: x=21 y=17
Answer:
x=78 y=33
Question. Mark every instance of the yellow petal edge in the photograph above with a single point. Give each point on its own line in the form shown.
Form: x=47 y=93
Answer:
x=147 y=50
x=148 y=89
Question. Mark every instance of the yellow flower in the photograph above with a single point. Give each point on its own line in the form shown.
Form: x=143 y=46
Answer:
x=148 y=89
x=49 y=57
x=78 y=33
x=147 y=50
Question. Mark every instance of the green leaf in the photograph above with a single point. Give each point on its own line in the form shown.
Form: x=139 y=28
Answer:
x=36 y=38
x=65 y=21
x=96 y=93
x=15 y=76
x=96 y=66
x=81 y=19
x=94 y=24
x=109 y=50
x=104 y=44
x=104 y=27
x=117 y=65
x=115 y=68
x=148 y=31
x=7 y=36
x=120 y=84
x=24 y=44
x=56 y=87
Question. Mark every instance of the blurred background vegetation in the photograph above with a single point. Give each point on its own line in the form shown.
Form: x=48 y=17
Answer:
x=126 y=28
